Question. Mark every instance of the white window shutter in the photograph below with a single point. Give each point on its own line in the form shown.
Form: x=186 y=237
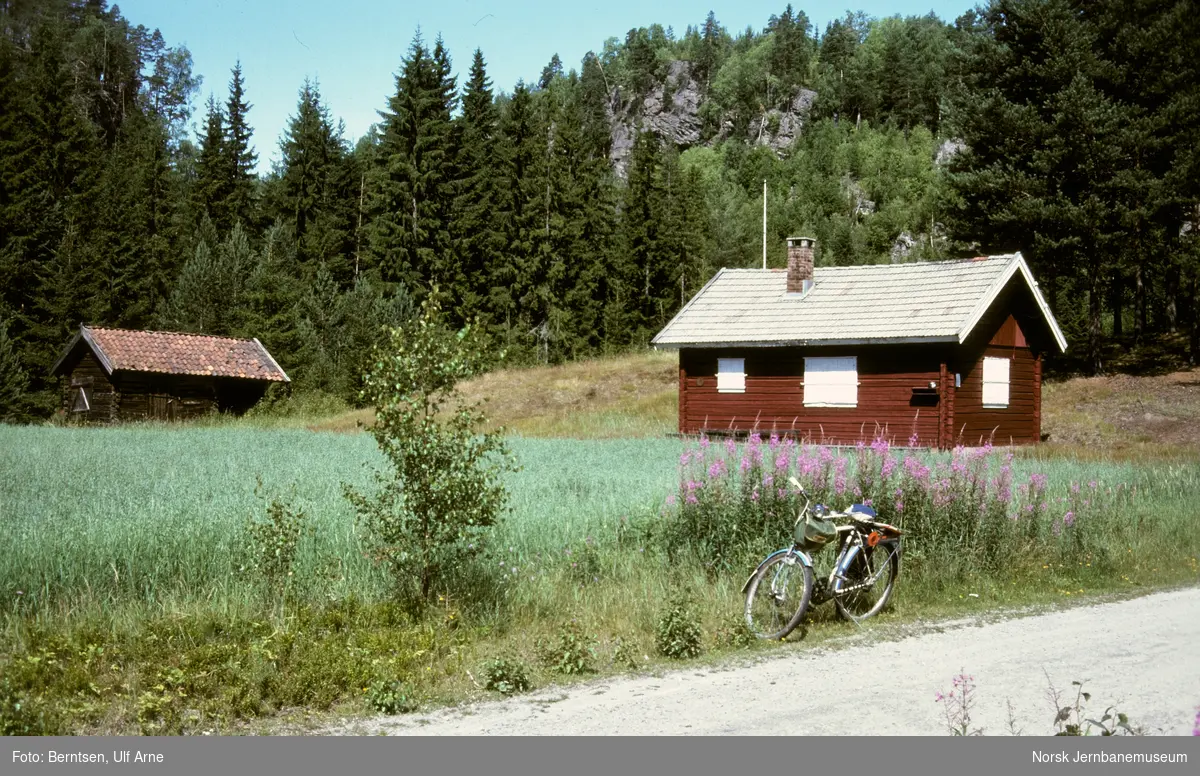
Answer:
x=731 y=375
x=995 y=382
x=831 y=382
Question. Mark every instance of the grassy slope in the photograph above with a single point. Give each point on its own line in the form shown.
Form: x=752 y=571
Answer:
x=1124 y=416
x=624 y=396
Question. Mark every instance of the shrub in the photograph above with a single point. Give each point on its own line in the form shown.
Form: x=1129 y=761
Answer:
x=678 y=634
x=571 y=651
x=22 y=715
x=443 y=493
x=734 y=632
x=392 y=696
x=625 y=654
x=273 y=542
x=506 y=676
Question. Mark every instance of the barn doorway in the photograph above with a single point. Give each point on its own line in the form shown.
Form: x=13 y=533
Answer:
x=162 y=407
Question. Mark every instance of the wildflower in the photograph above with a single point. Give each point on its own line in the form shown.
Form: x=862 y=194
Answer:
x=671 y=500
x=1074 y=487
x=704 y=443
x=1092 y=484
x=913 y=440
x=899 y=506
x=730 y=446
x=692 y=499
x=1069 y=519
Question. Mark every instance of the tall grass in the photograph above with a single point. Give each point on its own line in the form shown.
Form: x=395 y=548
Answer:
x=148 y=513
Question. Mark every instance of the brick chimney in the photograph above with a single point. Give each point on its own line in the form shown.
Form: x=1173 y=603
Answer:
x=800 y=264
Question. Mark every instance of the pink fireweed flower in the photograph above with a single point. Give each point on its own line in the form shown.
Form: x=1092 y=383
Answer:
x=1069 y=519
x=781 y=493
x=671 y=500
x=782 y=461
x=913 y=440
x=730 y=446
x=1074 y=487
x=704 y=443
x=717 y=469
x=691 y=499
x=1092 y=484
x=745 y=467
x=754 y=495
x=1057 y=528
x=889 y=465
x=686 y=458
x=899 y=506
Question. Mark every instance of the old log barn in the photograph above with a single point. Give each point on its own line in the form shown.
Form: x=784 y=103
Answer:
x=113 y=375
x=950 y=350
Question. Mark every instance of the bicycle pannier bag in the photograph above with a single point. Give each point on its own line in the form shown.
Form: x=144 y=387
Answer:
x=814 y=533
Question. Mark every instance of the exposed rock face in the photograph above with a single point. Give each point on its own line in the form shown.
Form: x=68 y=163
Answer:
x=902 y=247
x=672 y=111
x=778 y=129
x=948 y=150
x=857 y=195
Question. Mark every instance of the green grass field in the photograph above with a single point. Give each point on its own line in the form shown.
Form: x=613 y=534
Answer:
x=127 y=605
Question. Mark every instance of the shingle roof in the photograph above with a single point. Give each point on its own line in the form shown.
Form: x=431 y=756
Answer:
x=922 y=301
x=179 y=354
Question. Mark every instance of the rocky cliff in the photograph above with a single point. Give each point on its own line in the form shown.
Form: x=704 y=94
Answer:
x=672 y=111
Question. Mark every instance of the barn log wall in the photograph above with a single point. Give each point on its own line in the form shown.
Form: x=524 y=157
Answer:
x=150 y=396
x=102 y=397
x=774 y=397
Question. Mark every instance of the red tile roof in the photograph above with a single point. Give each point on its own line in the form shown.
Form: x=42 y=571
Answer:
x=182 y=354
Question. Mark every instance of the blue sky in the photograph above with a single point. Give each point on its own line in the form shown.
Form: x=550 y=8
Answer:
x=354 y=47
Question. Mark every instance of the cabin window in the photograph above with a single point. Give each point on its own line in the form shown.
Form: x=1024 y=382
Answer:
x=831 y=382
x=995 y=382
x=731 y=375
x=81 y=403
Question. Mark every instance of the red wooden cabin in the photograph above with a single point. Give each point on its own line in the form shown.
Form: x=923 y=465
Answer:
x=950 y=350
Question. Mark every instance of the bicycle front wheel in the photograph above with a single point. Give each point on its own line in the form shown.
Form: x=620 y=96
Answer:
x=778 y=596
x=866 y=585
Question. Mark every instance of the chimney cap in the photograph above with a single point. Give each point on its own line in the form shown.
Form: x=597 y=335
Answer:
x=810 y=240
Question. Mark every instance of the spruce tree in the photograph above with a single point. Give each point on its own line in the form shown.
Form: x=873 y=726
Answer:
x=477 y=237
x=316 y=186
x=412 y=183
x=214 y=181
x=240 y=158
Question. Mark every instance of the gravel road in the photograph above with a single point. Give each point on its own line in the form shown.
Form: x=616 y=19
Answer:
x=1142 y=655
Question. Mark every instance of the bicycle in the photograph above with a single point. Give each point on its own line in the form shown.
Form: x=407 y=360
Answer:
x=867 y=563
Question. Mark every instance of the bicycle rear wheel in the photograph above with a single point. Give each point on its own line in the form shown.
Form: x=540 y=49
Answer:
x=778 y=596
x=867 y=582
